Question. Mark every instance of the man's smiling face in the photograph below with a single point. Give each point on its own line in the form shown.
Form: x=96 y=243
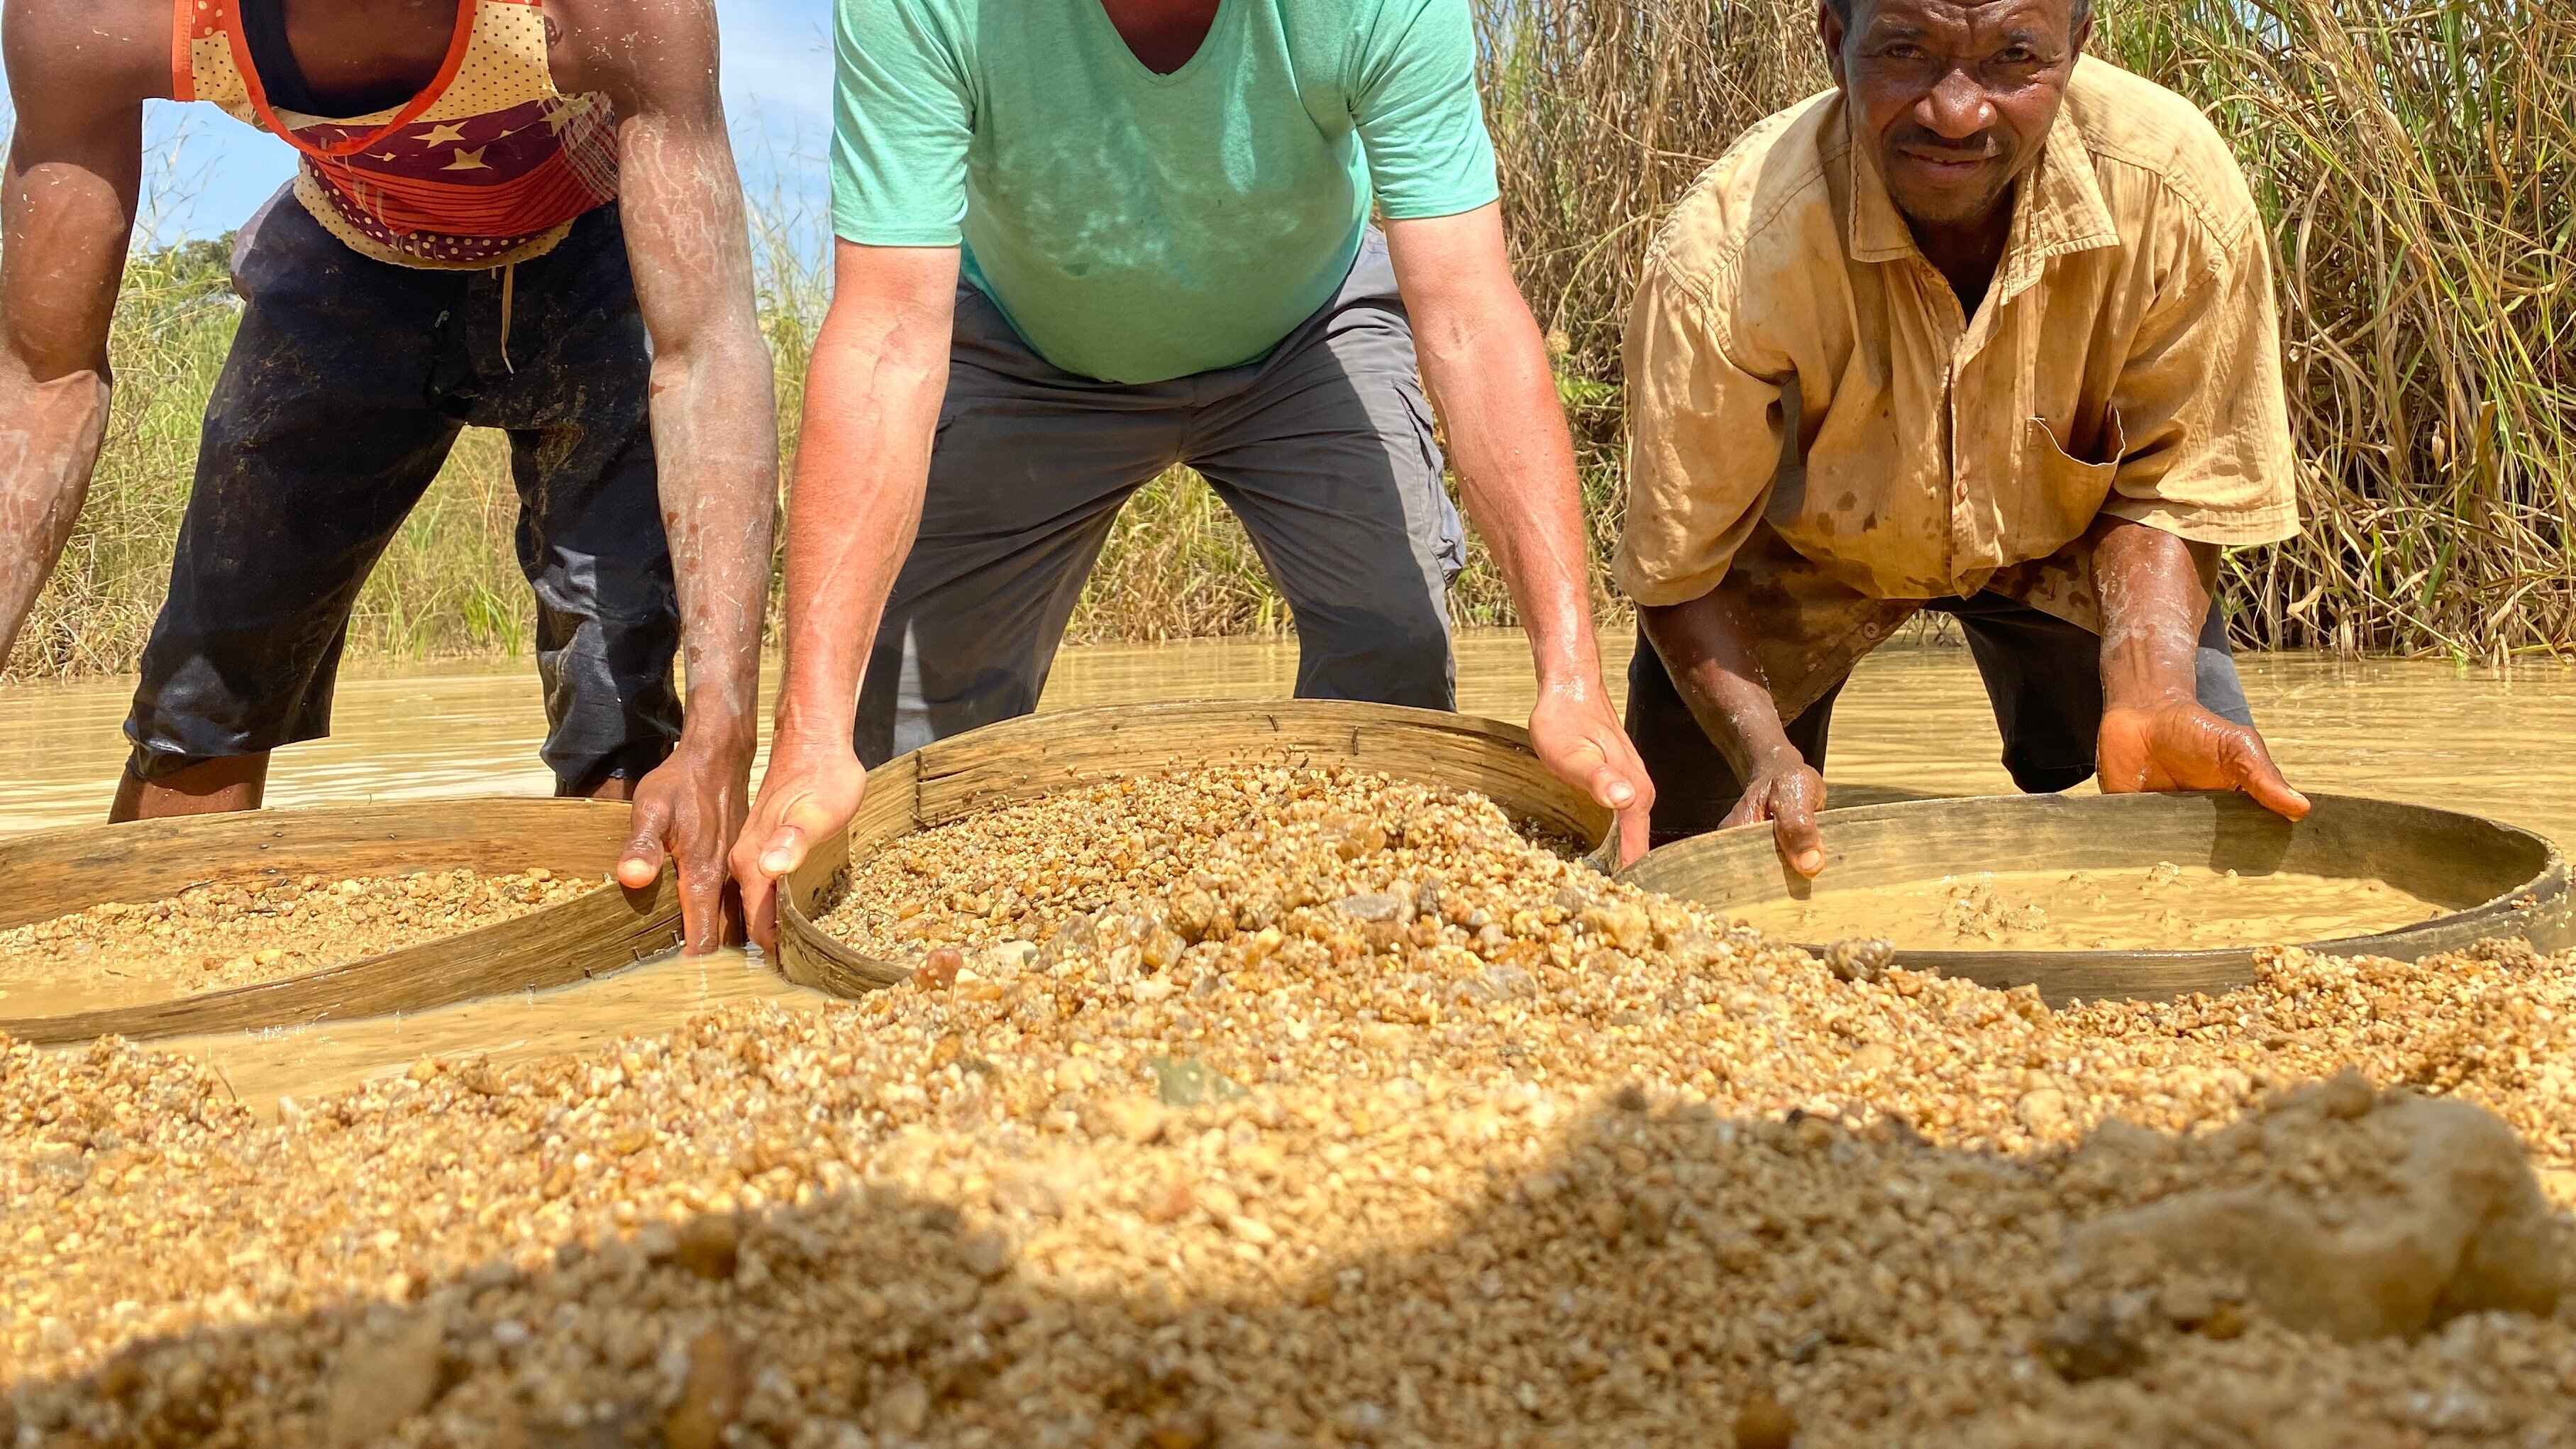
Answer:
x=1953 y=98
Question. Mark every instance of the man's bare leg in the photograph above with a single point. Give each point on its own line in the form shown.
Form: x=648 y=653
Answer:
x=612 y=788
x=210 y=787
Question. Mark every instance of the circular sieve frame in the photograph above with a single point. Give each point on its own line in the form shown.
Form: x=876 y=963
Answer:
x=2499 y=880
x=1036 y=755
x=56 y=872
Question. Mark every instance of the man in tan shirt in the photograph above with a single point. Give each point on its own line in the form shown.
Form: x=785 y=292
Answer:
x=1988 y=329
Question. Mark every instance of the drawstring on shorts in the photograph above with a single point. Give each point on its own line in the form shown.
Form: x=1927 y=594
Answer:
x=509 y=281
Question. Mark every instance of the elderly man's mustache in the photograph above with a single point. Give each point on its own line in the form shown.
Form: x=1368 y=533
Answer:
x=1922 y=141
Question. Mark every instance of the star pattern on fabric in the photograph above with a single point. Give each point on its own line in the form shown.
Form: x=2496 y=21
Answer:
x=519 y=206
x=565 y=112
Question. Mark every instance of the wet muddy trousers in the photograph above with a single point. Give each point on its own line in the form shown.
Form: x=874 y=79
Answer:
x=2042 y=674
x=346 y=386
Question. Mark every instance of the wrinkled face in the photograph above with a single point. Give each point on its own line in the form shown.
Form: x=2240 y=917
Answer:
x=1954 y=98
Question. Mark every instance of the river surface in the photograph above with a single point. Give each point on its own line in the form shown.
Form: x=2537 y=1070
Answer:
x=1915 y=716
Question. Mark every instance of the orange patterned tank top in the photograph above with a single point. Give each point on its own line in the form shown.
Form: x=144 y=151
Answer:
x=486 y=167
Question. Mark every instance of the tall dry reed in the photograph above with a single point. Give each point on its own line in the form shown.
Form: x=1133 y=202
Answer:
x=2419 y=163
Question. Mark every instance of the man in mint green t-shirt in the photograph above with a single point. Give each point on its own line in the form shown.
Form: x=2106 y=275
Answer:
x=1081 y=241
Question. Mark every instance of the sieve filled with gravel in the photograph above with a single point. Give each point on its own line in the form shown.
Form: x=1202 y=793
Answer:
x=1001 y=836
x=269 y=918
x=212 y=937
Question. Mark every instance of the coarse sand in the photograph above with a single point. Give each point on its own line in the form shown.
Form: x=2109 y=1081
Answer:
x=1324 y=1109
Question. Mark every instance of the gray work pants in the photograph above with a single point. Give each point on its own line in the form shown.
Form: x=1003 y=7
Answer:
x=1323 y=448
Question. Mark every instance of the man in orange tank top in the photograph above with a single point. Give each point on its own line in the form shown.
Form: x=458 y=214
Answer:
x=519 y=214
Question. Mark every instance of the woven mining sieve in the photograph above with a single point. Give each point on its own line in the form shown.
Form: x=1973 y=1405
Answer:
x=1040 y=754
x=2496 y=880
x=57 y=872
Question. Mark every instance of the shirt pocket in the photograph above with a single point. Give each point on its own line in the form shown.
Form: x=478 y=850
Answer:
x=2061 y=494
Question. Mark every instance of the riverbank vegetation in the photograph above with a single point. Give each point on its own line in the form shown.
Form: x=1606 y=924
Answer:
x=2417 y=159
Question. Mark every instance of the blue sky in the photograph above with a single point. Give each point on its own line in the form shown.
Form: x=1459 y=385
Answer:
x=206 y=171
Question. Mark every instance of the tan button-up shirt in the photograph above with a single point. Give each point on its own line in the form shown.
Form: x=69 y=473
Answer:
x=1812 y=415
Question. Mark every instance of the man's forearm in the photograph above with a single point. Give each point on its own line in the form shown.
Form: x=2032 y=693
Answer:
x=69 y=185
x=716 y=444
x=715 y=414
x=2156 y=734
x=49 y=441
x=1487 y=368
x=1707 y=648
x=2154 y=588
x=863 y=464
x=872 y=405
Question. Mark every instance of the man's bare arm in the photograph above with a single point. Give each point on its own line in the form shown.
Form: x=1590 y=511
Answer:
x=862 y=468
x=78 y=77
x=714 y=416
x=2155 y=735
x=1487 y=369
x=1707 y=646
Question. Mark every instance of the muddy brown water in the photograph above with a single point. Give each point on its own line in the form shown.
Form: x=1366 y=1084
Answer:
x=2475 y=740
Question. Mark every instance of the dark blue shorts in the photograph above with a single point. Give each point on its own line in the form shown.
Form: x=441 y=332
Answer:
x=2042 y=674
x=346 y=386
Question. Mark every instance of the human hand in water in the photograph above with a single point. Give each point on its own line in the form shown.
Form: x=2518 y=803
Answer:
x=809 y=793
x=2155 y=735
x=691 y=808
x=2175 y=744
x=1788 y=794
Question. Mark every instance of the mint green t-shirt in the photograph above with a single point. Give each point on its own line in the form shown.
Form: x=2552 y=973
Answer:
x=1136 y=227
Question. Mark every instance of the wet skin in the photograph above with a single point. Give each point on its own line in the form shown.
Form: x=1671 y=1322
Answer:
x=366 y=57
x=1953 y=104
x=1164 y=34
x=80 y=75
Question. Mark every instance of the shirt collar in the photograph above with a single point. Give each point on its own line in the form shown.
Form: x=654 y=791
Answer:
x=2057 y=209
